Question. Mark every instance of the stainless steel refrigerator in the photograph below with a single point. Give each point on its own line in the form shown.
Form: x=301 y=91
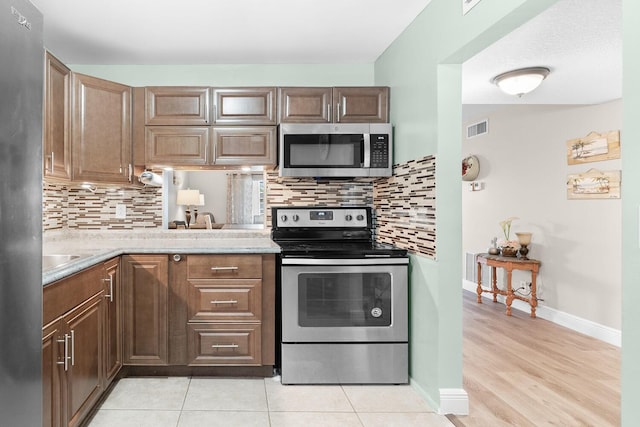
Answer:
x=21 y=91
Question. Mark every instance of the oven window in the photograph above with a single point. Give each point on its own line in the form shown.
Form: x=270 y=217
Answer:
x=344 y=299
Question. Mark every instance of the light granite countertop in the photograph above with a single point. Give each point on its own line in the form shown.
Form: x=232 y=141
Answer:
x=94 y=247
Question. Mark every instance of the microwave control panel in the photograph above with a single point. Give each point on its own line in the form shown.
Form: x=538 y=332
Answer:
x=379 y=151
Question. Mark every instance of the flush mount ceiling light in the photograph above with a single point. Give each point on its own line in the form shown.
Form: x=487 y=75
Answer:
x=521 y=81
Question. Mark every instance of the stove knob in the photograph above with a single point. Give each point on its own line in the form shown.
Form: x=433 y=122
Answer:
x=295 y=218
x=348 y=217
x=283 y=218
x=360 y=217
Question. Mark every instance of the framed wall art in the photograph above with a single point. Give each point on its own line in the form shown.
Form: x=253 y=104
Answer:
x=594 y=147
x=594 y=184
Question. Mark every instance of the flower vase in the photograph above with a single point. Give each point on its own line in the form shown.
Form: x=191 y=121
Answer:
x=509 y=251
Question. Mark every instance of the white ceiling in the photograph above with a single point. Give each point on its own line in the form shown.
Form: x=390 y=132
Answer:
x=580 y=40
x=223 y=31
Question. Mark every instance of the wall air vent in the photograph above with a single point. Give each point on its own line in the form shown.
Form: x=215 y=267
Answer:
x=478 y=129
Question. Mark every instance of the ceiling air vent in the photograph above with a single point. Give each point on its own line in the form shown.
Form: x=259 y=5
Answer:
x=477 y=129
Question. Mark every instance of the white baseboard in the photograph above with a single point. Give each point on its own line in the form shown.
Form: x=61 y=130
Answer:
x=453 y=401
x=578 y=324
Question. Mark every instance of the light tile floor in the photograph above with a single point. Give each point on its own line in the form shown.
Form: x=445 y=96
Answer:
x=217 y=402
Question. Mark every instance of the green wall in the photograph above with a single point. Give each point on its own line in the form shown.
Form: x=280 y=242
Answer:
x=630 y=145
x=423 y=69
x=233 y=75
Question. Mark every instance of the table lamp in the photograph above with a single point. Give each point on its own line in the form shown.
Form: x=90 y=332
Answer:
x=188 y=198
x=525 y=240
x=195 y=210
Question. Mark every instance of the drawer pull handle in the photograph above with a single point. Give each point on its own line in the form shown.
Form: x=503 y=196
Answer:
x=224 y=346
x=224 y=268
x=229 y=301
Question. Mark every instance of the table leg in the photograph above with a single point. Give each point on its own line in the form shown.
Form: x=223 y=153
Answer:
x=479 y=288
x=534 y=297
x=494 y=284
x=509 y=292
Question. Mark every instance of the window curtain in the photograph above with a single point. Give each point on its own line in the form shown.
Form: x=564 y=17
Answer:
x=245 y=195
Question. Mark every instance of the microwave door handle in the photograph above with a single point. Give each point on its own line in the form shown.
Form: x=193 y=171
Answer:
x=367 y=151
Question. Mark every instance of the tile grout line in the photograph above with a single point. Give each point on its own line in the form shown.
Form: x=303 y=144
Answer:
x=352 y=405
x=183 y=402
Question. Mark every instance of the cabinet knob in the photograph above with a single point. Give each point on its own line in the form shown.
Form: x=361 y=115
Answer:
x=177 y=257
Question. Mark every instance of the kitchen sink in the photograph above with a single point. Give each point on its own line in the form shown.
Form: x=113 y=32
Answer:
x=58 y=260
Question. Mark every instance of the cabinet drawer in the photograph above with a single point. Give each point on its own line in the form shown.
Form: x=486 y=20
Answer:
x=224 y=344
x=224 y=266
x=236 y=300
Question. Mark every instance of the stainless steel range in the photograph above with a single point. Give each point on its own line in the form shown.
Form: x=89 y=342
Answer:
x=343 y=299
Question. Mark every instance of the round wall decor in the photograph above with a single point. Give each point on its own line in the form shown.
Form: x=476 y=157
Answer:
x=470 y=168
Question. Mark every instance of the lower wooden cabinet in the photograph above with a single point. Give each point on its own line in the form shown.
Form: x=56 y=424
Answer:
x=143 y=310
x=146 y=320
x=72 y=347
x=113 y=320
x=51 y=387
x=84 y=376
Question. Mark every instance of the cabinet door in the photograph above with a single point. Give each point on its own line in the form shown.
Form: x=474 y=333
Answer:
x=177 y=106
x=101 y=129
x=177 y=146
x=145 y=294
x=251 y=145
x=245 y=106
x=57 y=149
x=51 y=382
x=361 y=104
x=305 y=104
x=84 y=324
x=113 y=315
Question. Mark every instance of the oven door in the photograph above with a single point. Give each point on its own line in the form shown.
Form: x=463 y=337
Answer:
x=344 y=303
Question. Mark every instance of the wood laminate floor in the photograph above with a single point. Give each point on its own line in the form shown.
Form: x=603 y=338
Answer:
x=520 y=371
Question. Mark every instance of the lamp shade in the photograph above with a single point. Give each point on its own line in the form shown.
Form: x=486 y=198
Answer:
x=201 y=200
x=188 y=197
x=519 y=82
x=524 y=238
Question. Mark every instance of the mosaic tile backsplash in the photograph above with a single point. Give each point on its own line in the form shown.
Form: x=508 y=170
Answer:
x=311 y=192
x=405 y=207
x=66 y=207
x=404 y=203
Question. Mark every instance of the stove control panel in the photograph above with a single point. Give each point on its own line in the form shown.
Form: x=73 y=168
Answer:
x=321 y=217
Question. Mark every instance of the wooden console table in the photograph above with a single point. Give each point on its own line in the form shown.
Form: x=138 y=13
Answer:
x=508 y=264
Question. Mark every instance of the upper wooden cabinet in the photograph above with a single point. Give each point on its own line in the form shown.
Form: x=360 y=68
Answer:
x=251 y=145
x=305 y=104
x=245 y=106
x=361 y=104
x=101 y=131
x=57 y=148
x=334 y=105
x=166 y=105
x=177 y=146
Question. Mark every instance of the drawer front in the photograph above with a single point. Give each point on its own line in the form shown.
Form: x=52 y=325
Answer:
x=224 y=344
x=224 y=266
x=237 y=300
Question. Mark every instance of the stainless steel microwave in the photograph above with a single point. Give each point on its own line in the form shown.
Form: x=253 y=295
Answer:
x=336 y=150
